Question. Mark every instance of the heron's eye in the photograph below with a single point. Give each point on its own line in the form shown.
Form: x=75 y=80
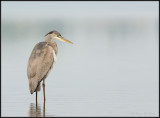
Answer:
x=58 y=35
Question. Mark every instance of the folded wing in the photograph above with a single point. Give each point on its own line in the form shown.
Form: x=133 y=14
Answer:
x=39 y=64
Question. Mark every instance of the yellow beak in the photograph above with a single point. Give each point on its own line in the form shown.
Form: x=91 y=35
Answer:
x=64 y=40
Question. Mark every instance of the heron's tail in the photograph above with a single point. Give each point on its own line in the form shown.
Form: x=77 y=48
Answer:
x=34 y=85
x=38 y=87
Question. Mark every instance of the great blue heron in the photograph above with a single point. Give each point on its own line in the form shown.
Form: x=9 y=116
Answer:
x=41 y=61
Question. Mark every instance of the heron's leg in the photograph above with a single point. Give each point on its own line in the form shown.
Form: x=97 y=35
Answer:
x=44 y=89
x=36 y=98
x=44 y=109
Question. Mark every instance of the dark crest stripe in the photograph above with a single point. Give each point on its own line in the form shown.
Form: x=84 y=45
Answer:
x=54 y=31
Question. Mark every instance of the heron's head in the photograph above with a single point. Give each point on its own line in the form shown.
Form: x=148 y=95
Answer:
x=55 y=35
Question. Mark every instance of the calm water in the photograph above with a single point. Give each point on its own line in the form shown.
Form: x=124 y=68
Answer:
x=110 y=70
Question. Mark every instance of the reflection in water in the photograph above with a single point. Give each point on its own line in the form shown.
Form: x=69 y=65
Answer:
x=35 y=110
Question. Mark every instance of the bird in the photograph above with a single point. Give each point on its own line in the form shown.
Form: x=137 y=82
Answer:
x=41 y=61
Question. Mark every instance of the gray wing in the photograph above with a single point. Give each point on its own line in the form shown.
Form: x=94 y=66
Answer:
x=40 y=62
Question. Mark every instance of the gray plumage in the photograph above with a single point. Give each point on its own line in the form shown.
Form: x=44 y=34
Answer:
x=39 y=64
x=41 y=61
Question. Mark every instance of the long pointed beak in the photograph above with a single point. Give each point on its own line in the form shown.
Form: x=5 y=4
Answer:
x=63 y=39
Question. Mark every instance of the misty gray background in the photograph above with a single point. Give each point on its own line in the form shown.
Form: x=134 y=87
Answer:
x=111 y=69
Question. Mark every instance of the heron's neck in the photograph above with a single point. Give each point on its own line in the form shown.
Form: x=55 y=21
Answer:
x=53 y=44
x=48 y=38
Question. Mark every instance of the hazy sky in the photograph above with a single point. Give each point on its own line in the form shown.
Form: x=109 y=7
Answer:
x=27 y=9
